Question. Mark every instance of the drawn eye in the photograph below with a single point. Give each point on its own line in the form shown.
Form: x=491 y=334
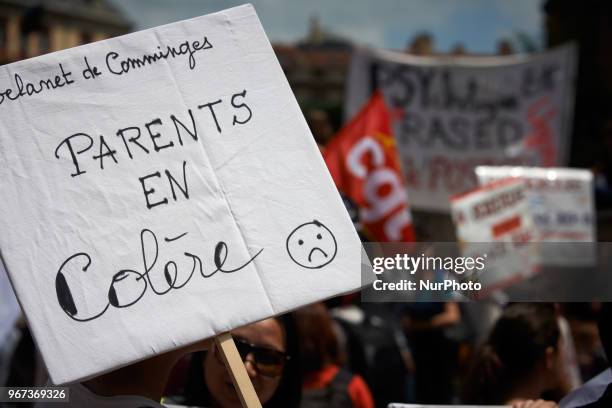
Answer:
x=300 y=242
x=319 y=236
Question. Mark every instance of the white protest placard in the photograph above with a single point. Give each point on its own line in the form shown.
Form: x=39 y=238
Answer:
x=160 y=188
x=563 y=207
x=494 y=221
x=454 y=113
x=561 y=200
x=397 y=405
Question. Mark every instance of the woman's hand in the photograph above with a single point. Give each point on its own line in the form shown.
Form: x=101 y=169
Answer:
x=535 y=404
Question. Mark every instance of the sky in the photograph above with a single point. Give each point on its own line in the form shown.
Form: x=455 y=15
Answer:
x=477 y=24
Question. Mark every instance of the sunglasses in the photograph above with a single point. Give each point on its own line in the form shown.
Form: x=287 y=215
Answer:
x=266 y=361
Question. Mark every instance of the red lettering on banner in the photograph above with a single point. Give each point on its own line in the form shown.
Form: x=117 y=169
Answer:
x=506 y=226
x=540 y=114
x=445 y=173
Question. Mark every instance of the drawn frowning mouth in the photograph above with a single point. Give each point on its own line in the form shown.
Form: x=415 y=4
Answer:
x=316 y=249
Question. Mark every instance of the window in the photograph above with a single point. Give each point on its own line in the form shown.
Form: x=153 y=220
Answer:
x=44 y=41
x=24 y=43
x=86 y=38
x=3 y=33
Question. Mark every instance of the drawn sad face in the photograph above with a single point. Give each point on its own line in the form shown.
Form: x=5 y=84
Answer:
x=312 y=245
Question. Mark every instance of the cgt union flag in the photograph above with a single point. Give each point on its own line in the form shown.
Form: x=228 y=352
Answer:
x=364 y=164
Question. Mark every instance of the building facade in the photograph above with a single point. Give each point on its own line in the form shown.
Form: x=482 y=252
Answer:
x=316 y=68
x=33 y=27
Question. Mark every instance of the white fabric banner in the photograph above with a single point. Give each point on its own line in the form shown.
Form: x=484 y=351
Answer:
x=454 y=113
x=160 y=188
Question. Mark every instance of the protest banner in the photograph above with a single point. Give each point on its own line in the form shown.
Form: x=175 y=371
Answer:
x=161 y=188
x=494 y=220
x=562 y=204
x=454 y=113
x=364 y=164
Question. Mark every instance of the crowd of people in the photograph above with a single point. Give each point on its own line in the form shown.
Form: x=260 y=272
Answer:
x=343 y=353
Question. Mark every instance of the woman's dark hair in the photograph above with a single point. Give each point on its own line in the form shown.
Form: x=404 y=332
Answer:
x=517 y=343
x=289 y=391
x=318 y=342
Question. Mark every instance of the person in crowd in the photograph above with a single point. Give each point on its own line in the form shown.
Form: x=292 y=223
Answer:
x=137 y=385
x=428 y=326
x=269 y=349
x=590 y=354
x=372 y=344
x=520 y=360
x=326 y=382
x=596 y=393
x=431 y=323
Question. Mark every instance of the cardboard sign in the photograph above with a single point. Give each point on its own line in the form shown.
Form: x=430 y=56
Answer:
x=397 y=405
x=494 y=221
x=160 y=188
x=454 y=113
x=562 y=203
x=561 y=200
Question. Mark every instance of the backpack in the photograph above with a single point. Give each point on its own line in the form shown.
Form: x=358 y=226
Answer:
x=334 y=395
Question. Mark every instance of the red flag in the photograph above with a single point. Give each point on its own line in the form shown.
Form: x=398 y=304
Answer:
x=365 y=166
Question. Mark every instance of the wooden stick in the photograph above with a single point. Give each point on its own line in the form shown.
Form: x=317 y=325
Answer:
x=235 y=366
